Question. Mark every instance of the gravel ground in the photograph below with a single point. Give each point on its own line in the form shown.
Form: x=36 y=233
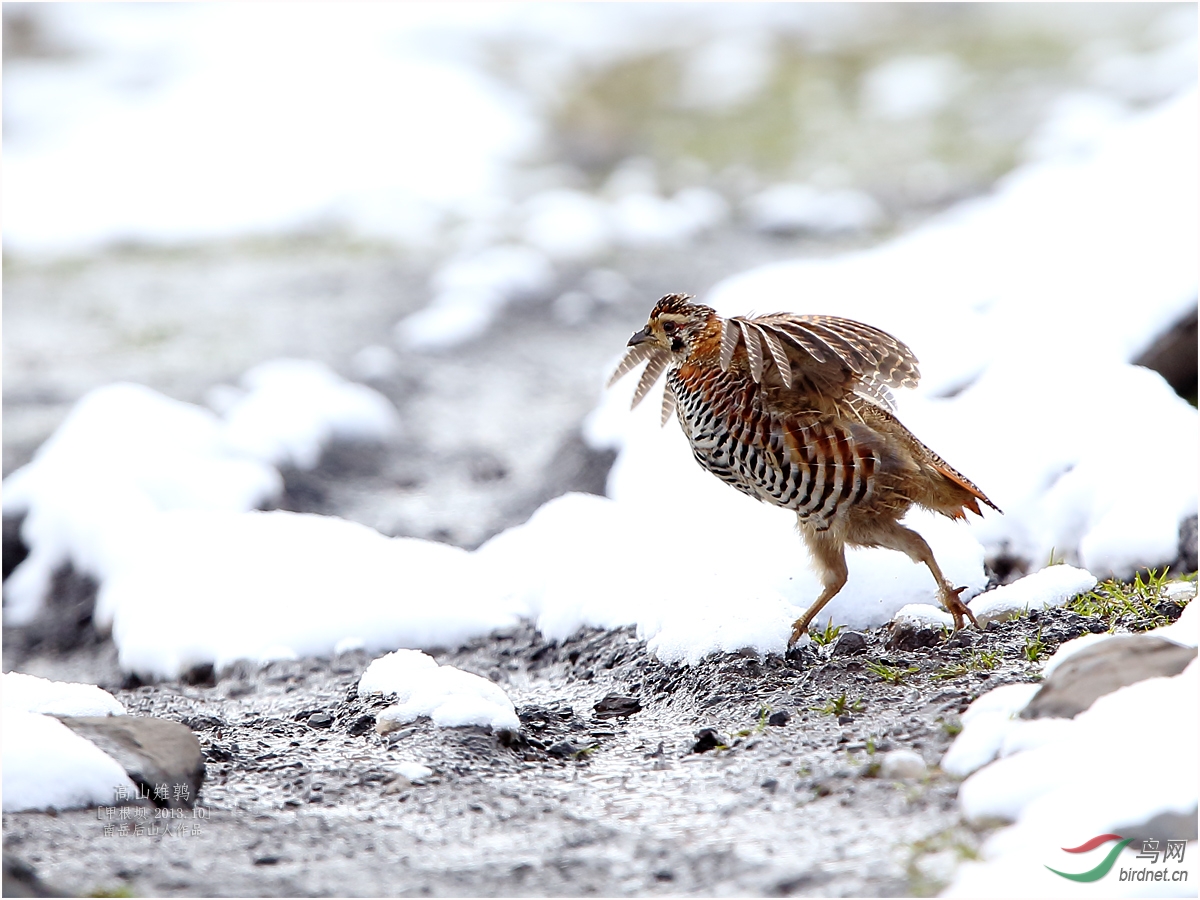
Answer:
x=302 y=796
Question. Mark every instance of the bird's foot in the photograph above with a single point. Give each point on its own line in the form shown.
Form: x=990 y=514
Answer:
x=956 y=607
x=799 y=627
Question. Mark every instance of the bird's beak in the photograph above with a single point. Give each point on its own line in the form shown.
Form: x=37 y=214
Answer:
x=641 y=337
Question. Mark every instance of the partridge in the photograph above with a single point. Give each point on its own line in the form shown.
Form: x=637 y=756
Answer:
x=797 y=411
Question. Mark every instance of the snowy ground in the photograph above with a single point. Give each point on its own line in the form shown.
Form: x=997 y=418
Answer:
x=481 y=294
x=186 y=480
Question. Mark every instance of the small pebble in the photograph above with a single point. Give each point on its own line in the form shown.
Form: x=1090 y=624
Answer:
x=562 y=750
x=904 y=764
x=706 y=739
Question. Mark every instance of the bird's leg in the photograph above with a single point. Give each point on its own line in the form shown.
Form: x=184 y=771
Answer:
x=829 y=554
x=897 y=537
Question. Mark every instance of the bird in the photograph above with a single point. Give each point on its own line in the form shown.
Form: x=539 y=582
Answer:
x=797 y=411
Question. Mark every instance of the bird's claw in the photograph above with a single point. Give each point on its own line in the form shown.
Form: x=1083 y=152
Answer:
x=799 y=627
x=956 y=607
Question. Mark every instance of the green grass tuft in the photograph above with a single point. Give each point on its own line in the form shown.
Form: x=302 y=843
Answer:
x=891 y=674
x=1132 y=605
x=828 y=635
x=839 y=706
x=764 y=713
x=979 y=661
x=1034 y=649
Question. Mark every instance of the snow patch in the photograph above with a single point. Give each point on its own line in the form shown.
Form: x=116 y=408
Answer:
x=1045 y=779
x=1052 y=586
x=1048 y=785
x=448 y=696
x=48 y=766
x=923 y=615
x=57 y=698
x=215 y=587
x=413 y=771
x=986 y=722
x=124 y=453
x=470 y=292
x=293 y=409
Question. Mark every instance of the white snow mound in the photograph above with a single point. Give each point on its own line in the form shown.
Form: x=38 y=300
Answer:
x=57 y=698
x=293 y=408
x=448 y=696
x=123 y=453
x=1052 y=586
x=215 y=587
x=48 y=766
x=1054 y=778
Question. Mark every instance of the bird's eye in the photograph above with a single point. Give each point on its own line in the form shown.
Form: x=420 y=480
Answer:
x=670 y=327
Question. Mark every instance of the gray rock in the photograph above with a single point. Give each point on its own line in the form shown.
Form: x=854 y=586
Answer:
x=1173 y=355
x=1103 y=668
x=1187 y=546
x=615 y=706
x=1165 y=826
x=849 y=643
x=907 y=636
x=21 y=881
x=154 y=752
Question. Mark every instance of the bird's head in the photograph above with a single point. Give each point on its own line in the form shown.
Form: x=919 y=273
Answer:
x=675 y=325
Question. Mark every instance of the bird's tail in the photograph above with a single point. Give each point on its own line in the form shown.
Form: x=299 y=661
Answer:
x=958 y=506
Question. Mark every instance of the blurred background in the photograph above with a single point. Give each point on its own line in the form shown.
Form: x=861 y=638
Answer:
x=471 y=207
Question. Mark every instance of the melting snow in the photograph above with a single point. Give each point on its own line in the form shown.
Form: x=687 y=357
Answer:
x=215 y=587
x=448 y=696
x=46 y=765
x=57 y=698
x=293 y=408
x=126 y=453
x=1025 y=309
x=1062 y=781
x=147 y=494
x=1052 y=586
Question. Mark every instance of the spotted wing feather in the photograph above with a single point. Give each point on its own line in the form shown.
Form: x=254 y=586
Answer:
x=668 y=403
x=876 y=392
x=753 y=348
x=893 y=362
x=629 y=362
x=729 y=341
x=823 y=352
x=654 y=368
x=778 y=354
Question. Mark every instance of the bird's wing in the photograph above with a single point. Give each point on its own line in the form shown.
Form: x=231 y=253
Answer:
x=659 y=359
x=826 y=354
